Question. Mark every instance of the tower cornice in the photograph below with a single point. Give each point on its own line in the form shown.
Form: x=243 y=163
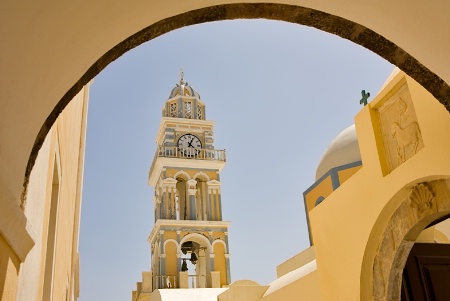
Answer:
x=188 y=225
x=162 y=162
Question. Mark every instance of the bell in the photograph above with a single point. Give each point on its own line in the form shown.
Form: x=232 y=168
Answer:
x=193 y=258
x=184 y=267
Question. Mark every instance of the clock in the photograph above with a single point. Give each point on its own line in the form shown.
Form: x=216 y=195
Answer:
x=189 y=145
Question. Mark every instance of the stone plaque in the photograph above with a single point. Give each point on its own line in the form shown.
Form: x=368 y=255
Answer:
x=399 y=128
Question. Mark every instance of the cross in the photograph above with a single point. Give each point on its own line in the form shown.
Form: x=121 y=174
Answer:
x=365 y=97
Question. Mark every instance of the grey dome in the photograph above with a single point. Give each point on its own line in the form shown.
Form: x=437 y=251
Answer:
x=188 y=91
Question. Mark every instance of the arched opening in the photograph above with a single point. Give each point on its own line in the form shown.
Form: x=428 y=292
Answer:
x=196 y=261
x=420 y=206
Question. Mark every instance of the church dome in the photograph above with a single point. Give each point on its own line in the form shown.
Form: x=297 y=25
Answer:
x=184 y=90
x=344 y=149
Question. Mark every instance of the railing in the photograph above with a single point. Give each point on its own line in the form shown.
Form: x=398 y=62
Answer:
x=188 y=153
x=173 y=281
x=197 y=281
x=170 y=281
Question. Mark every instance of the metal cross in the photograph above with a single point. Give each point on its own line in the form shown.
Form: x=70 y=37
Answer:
x=365 y=97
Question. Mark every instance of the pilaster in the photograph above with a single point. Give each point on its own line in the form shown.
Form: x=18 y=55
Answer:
x=192 y=190
x=227 y=259
x=215 y=279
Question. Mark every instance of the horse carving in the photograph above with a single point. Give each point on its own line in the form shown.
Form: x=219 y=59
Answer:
x=409 y=135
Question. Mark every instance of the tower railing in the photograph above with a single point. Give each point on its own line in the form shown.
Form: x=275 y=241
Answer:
x=188 y=153
x=173 y=281
x=170 y=281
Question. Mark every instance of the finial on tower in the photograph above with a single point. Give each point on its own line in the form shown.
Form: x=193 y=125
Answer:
x=181 y=76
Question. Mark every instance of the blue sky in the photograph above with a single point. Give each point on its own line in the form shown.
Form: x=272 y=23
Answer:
x=278 y=93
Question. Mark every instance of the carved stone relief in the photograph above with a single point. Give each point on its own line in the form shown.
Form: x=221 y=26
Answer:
x=424 y=203
x=400 y=130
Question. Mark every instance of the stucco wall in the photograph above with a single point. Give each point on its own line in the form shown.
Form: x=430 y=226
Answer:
x=347 y=228
x=62 y=153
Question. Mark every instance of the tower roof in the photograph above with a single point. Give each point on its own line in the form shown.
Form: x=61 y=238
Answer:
x=184 y=102
x=183 y=89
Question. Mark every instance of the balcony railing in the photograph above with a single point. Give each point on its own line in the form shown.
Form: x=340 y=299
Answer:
x=173 y=281
x=188 y=153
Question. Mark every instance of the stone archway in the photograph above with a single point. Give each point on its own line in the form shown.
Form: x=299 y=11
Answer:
x=425 y=204
x=342 y=27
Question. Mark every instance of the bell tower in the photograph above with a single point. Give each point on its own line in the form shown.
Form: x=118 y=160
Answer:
x=189 y=241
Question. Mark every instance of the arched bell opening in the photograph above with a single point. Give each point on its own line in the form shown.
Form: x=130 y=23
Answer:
x=195 y=260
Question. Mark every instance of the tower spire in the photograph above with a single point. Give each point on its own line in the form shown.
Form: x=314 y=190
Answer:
x=181 y=76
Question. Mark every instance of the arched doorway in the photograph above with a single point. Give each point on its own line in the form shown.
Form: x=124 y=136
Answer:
x=421 y=205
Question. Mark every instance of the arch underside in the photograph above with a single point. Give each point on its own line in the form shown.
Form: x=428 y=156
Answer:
x=290 y=13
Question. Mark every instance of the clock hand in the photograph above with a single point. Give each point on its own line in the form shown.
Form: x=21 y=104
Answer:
x=190 y=143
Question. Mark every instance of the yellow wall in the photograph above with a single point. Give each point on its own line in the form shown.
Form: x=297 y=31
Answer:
x=220 y=263
x=305 y=288
x=170 y=235
x=345 y=174
x=9 y=267
x=296 y=261
x=348 y=226
x=171 y=259
x=323 y=188
x=56 y=180
x=218 y=235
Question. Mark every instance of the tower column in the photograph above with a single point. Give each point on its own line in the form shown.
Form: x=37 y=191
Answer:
x=162 y=259
x=209 y=204
x=219 y=204
x=211 y=260
x=192 y=191
x=226 y=242
x=157 y=202
x=195 y=113
x=227 y=259
x=178 y=252
x=214 y=207
x=168 y=187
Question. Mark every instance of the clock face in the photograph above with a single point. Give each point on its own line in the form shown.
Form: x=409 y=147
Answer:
x=189 y=144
